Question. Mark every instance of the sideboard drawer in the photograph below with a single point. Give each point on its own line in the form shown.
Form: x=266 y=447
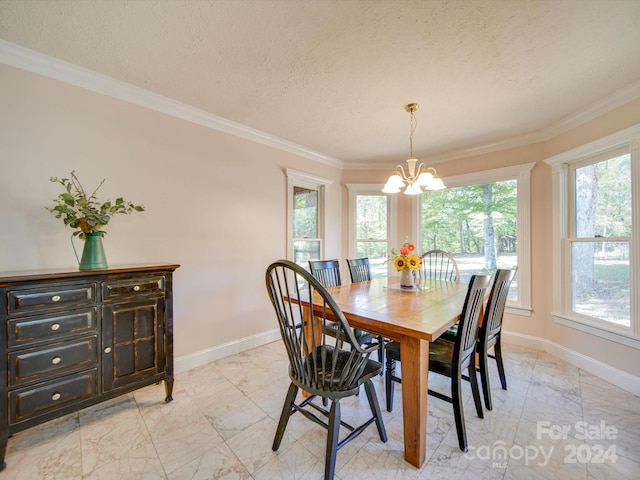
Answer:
x=42 y=398
x=34 y=363
x=118 y=289
x=50 y=296
x=23 y=331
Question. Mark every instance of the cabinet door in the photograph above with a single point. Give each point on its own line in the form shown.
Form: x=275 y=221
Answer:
x=132 y=342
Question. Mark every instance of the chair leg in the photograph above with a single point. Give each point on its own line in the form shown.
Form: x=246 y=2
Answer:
x=497 y=349
x=332 y=440
x=375 y=409
x=287 y=410
x=475 y=390
x=388 y=382
x=484 y=377
x=458 y=412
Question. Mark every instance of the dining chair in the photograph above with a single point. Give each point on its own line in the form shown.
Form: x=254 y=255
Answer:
x=439 y=265
x=328 y=274
x=490 y=332
x=360 y=271
x=316 y=364
x=451 y=359
x=326 y=271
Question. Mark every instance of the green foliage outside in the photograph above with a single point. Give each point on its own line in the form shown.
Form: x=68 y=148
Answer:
x=454 y=219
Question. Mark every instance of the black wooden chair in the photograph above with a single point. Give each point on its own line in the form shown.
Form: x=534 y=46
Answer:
x=451 y=358
x=439 y=265
x=328 y=274
x=359 y=269
x=326 y=271
x=316 y=364
x=490 y=332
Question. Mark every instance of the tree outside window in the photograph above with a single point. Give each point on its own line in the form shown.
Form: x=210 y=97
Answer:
x=477 y=224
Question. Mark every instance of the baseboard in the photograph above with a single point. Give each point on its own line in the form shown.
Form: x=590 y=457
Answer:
x=619 y=378
x=196 y=359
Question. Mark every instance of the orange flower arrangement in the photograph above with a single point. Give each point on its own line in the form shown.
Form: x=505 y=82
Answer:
x=405 y=260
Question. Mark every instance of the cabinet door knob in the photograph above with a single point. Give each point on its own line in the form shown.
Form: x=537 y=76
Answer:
x=55 y=396
x=55 y=298
x=56 y=360
x=107 y=350
x=55 y=326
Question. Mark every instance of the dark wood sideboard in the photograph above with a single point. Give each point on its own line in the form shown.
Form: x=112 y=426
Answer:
x=70 y=339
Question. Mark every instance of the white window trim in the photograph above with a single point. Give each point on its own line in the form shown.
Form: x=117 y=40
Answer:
x=356 y=189
x=522 y=174
x=296 y=178
x=630 y=138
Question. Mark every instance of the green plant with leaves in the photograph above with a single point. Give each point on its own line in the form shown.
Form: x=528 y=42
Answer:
x=84 y=212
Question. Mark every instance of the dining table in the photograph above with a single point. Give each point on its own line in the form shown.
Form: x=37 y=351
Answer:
x=414 y=317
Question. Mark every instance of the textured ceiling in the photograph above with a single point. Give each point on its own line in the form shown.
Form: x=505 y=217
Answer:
x=334 y=76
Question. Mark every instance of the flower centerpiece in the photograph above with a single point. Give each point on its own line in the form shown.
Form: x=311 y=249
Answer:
x=88 y=216
x=406 y=263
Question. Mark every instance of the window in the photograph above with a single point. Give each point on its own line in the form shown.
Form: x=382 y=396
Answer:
x=370 y=221
x=306 y=217
x=482 y=219
x=599 y=239
x=477 y=224
x=597 y=210
x=372 y=231
x=306 y=240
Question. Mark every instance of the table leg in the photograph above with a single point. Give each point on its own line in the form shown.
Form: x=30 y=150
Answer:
x=415 y=373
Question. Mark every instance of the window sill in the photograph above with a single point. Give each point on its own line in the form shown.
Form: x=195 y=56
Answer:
x=598 y=330
x=515 y=310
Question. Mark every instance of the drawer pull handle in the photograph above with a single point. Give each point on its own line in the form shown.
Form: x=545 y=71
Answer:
x=107 y=350
x=55 y=298
x=55 y=396
x=55 y=326
x=136 y=288
x=56 y=360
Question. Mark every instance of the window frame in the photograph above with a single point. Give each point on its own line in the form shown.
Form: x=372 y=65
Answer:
x=296 y=178
x=522 y=175
x=629 y=140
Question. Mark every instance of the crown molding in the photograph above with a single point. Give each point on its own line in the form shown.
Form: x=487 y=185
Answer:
x=512 y=142
x=617 y=99
x=610 y=102
x=41 y=64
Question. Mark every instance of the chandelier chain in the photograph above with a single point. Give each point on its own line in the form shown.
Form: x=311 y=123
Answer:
x=412 y=127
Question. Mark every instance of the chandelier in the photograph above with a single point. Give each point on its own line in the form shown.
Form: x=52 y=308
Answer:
x=414 y=178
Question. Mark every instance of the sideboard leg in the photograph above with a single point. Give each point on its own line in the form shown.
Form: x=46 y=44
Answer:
x=168 y=387
x=3 y=452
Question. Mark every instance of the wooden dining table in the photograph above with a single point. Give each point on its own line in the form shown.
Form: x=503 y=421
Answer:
x=414 y=317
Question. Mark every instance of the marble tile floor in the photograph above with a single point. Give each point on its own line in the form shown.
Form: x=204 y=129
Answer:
x=554 y=422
